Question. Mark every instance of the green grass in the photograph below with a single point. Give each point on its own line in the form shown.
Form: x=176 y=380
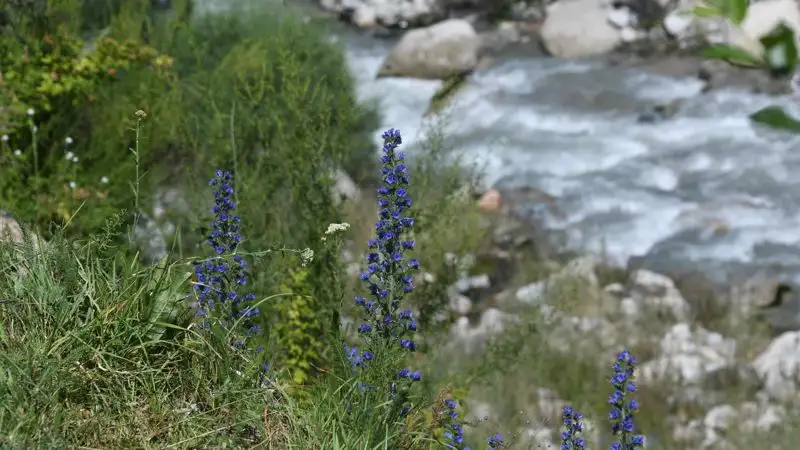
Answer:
x=100 y=350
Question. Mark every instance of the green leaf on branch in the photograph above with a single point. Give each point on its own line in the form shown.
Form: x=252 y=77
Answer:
x=775 y=117
x=735 y=10
x=780 y=50
x=704 y=11
x=732 y=54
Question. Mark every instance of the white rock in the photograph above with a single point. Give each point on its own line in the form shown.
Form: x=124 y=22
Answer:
x=492 y=321
x=621 y=18
x=584 y=267
x=480 y=410
x=437 y=52
x=10 y=230
x=541 y=438
x=779 y=367
x=678 y=25
x=630 y=308
x=532 y=293
x=461 y=329
x=460 y=304
x=365 y=17
x=762 y=418
x=387 y=12
x=615 y=289
x=686 y=355
x=474 y=282
x=630 y=34
x=659 y=293
x=578 y=29
x=720 y=417
x=344 y=188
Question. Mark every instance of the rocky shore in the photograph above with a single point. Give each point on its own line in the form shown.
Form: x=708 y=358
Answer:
x=438 y=39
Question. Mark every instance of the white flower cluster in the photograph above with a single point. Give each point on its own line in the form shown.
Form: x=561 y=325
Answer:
x=336 y=228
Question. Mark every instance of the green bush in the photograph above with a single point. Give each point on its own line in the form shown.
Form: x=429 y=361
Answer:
x=260 y=82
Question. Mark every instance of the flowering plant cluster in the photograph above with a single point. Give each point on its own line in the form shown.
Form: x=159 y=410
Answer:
x=621 y=414
x=220 y=298
x=573 y=426
x=454 y=430
x=388 y=276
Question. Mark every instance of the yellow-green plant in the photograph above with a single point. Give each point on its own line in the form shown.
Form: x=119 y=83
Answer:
x=44 y=74
x=47 y=85
x=299 y=327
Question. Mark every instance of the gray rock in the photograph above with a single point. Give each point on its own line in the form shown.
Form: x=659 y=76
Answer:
x=782 y=314
x=578 y=29
x=659 y=112
x=344 y=188
x=10 y=229
x=687 y=355
x=440 y=51
x=460 y=304
x=388 y=13
x=658 y=294
x=149 y=238
x=465 y=284
x=779 y=367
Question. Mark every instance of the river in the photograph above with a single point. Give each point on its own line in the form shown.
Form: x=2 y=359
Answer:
x=705 y=189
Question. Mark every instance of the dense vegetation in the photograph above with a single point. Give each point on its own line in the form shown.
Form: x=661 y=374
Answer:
x=191 y=282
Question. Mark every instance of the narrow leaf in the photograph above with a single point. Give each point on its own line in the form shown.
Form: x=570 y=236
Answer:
x=736 y=10
x=732 y=54
x=775 y=117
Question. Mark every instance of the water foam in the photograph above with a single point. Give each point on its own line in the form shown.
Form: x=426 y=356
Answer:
x=621 y=186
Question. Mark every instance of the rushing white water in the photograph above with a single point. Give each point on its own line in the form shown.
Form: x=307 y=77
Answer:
x=706 y=185
x=703 y=189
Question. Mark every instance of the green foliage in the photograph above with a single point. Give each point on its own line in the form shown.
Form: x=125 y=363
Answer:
x=298 y=328
x=446 y=220
x=49 y=87
x=95 y=350
x=260 y=88
x=776 y=117
x=780 y=50
x=735 y=10
x=731 y=54
x=779 y=56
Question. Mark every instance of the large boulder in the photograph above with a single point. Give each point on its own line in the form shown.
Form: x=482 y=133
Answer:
x=440 y=51
x=578 y=29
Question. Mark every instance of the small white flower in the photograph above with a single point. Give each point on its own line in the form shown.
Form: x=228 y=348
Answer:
x=306 y=256
x=35 y=128
x=75 y=159
x=335 y=228
x=68 y=140
x=69 y=155
x=4 y=138
x=31 y=112
x=72 y=185
x=104 y=180
x=17 y=152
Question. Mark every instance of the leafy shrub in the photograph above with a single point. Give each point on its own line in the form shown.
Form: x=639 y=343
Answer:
x=298 y=327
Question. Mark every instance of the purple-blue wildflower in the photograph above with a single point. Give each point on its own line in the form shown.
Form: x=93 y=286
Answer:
x=454 y=430
x=388 y=274
x=621 y=415
x=496 y=441
x=573 y=426
x=219 y=279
